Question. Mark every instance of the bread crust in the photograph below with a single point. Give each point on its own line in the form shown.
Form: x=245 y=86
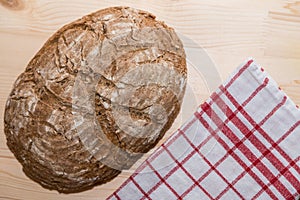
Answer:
x=102 y=91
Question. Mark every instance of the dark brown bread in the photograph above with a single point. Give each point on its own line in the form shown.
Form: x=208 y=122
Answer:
x=102 y=91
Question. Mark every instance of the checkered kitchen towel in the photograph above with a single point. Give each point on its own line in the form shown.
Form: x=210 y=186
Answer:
x=242 y=143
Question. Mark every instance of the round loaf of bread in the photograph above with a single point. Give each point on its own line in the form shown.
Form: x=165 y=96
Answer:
x=102 y=91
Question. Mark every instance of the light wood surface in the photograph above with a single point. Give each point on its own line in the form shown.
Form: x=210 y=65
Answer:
x=230 y=31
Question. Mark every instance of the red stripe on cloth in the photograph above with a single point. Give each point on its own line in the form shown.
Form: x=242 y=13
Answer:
x=184 y=160
x=274 y=110
x=162 y=180
x=260 y=130
x=169 y=142
x=239 y=73
x=247 y=152
x=216 y=96
x=256 y=142
x=185 y=171
x=171 y=172
x=262 y=86
x=237 y=159
x=260 y=146
x=226 y=121
x=282 y=172
x=180 y=165
x=212 y=167
x=287 y=134
x=138 y=186
x=204 y=107
x=262 y=156
x=117 y=196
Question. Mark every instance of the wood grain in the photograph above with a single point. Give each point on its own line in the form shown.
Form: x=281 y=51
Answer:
x=229 y=31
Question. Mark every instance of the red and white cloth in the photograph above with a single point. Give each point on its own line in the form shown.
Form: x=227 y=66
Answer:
x=242 y=143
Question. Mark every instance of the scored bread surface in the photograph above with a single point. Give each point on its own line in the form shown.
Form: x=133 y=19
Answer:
x=102 y=91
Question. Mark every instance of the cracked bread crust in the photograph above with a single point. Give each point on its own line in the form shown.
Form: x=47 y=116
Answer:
x=102 y=91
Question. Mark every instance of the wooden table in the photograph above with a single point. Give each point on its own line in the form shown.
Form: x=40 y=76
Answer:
x=229 y=31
